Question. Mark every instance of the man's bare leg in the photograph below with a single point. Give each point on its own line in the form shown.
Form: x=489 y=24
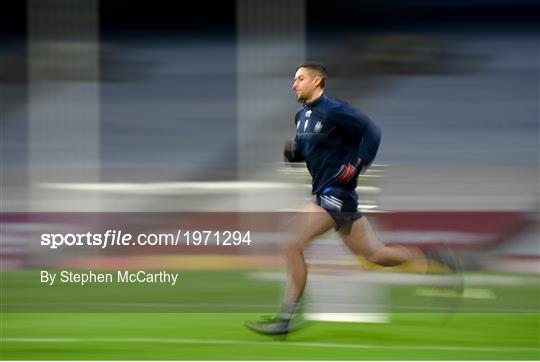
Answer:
x=309 y=224
x=361 y=239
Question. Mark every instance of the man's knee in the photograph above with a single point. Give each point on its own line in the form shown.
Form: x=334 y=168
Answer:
x=292 y=248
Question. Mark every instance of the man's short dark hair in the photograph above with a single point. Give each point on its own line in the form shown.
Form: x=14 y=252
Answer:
x=317 y=68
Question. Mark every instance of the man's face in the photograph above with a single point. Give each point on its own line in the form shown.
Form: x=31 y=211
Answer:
x=305 y=84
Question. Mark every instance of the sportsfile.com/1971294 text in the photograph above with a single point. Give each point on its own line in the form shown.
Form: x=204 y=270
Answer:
x=181 y=237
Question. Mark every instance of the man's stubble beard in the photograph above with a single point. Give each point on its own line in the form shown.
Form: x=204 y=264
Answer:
x=301 y=99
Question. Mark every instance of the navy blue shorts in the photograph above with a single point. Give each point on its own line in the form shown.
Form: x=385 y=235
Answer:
x=341 y=204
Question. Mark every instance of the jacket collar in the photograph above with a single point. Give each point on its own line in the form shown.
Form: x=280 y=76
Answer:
x=316 y=101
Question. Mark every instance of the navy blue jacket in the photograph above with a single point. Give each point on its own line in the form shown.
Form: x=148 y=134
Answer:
x=329 y=134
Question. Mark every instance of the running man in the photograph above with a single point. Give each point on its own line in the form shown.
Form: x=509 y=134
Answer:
x=337 y=142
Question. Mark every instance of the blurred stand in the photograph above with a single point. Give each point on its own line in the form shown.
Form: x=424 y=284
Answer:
x=191 y=121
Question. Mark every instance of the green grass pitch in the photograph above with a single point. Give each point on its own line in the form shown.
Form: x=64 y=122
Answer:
x=221 y=336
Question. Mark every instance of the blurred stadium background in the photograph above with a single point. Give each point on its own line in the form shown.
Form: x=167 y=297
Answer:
x=138 y=115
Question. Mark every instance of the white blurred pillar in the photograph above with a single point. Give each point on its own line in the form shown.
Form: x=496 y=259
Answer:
x=270 y=44
x=63 y=98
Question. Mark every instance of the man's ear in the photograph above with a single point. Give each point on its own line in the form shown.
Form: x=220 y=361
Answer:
x=317 y=81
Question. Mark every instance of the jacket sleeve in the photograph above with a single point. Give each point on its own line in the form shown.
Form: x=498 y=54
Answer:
x=360 y=124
